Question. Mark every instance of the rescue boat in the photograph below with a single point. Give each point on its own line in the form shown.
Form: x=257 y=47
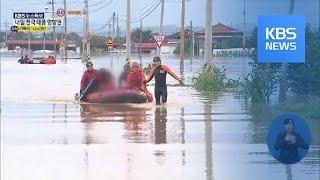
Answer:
x=117 y=96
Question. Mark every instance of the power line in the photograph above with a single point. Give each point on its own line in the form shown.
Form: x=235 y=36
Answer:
x=145 y=14
x=101 y=7
x=97 y=3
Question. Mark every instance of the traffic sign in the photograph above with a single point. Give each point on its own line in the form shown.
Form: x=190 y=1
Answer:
x=74 y=12
x=88 y=36
x=159 y=39
x=60 y=12
x=109 y=42
x=14 y=28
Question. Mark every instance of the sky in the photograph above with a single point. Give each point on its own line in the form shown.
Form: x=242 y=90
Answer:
x=229 y=12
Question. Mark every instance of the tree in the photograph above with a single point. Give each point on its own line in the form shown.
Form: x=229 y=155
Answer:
x=146 y=35
x=304 y=77
x=98 y=41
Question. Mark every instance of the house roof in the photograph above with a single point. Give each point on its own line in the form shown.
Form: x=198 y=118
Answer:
x=150 y=45
x=23 y=42
x=221 y=30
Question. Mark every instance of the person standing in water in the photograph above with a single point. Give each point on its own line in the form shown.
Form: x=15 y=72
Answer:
x=159 y=72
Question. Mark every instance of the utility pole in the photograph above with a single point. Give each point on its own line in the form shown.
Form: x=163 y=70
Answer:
x=113 y=24
x=161 y=23
x=54 y=28
x=117 y=27
x=65 y=32
x=128 y=37
x=84 y=41
x=244 y=38
x=192 y=41
x=140 y=41
x=161 y=17
x=208 y=34
x=6 y=30
x=244 y=25
x=283 y=80
x=44 y=42
x=109 y=31
x=182 y=34
x=87 y=27
x=29 y=43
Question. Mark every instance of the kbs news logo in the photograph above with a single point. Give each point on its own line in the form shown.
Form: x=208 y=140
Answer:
x=281 y=39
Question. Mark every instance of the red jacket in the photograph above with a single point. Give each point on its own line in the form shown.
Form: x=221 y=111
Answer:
x=135 y=80
x=87 y=77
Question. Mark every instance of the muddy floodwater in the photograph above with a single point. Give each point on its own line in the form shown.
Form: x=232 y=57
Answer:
x=46 y=136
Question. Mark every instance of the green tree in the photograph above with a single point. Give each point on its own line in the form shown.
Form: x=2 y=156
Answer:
x=262 y=81
x=146 y=35
x=97 y=42
x=304 y=77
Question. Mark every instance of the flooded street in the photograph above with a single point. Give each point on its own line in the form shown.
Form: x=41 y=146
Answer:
x=45 y=135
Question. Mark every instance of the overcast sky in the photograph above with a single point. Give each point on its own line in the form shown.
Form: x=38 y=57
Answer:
x=225 y=11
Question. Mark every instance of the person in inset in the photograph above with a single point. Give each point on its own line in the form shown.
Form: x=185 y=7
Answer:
x=106 y=80
x=90 y=76
x=135 y=80
x=288 y=143
x=160 y=73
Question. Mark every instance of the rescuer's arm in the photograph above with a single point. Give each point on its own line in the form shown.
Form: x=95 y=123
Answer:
x=174 y=75
x=150 y=76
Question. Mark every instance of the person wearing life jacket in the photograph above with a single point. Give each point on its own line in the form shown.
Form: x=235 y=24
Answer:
x=135 y=80
x=106 y=80
x=89 y=75
x=50 y=60
x=159 y=72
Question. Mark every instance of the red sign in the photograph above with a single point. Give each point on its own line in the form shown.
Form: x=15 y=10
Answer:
x=159 y=39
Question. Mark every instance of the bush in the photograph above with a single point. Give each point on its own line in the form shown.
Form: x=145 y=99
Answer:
x=260 y=84
x=307 y=109
x=210 y=80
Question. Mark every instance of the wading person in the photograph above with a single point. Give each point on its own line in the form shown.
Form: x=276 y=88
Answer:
x=159 y=72
x=288 y=143
x=89 y=80
x=136 y=79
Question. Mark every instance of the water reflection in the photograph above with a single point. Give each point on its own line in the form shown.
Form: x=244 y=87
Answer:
x=288 y=172
x=208 y=140
x=160 y=116
x=183 y=141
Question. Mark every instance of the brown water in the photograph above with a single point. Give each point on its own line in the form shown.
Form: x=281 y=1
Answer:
x=47 y=136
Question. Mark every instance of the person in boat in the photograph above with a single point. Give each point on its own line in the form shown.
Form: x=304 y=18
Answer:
x=124 y=75
x=106 y=80
x=21 y=60
x=89 y=80
x=160 y=71
x=136 y=78
x=24 y=60
x=49 y=60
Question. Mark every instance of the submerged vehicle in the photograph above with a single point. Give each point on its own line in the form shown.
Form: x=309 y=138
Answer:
x=38 y=60
x=117 y=96
x=39 y=57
